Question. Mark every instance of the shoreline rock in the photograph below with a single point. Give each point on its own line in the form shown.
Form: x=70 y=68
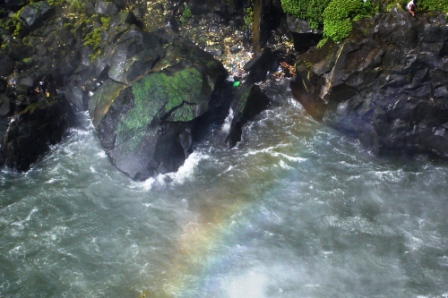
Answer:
x=385 y=85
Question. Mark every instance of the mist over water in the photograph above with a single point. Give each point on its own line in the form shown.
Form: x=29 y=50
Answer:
x=296 y=210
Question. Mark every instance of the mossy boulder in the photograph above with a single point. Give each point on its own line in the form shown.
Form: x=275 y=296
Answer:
x=144 y=120
x=386 y=84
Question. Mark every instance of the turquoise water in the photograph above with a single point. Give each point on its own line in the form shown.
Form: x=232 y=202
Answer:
x=295 y=210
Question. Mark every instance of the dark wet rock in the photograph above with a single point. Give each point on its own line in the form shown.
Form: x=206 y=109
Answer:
x=249 y=102
x=19 y=52
x=315 y=108
x=385 y=85
x=271 y=18
x=33 y=130
x=145 y=111
x=3 y=85
x=5 y=105
x=303 y=35
x=259 y=66
x=6 y=65
x=300 y=26
x=89 y=8
x=14 y=4
x=123 y=19
x=121 y=4
x=33 y=14
x=106 y=8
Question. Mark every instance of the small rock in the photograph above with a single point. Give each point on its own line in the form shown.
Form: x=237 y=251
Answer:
x=106 y=8
x=33 y=14
x=6 y=65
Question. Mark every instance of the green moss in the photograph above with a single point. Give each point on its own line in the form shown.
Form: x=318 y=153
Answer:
x=54 y=3
x=248 y=16
x=441 y=5
x=335 y=16
x=186 y=15
x=76 y=6
x=158 y=96
x=339 y=15
x=94 y=38
x=37 y=105
x=308 y=10
x=321 y=43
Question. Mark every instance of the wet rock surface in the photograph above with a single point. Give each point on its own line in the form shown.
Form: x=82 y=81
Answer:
x=31 y=132
x=32 y=15
x=145 y=111
x=249 y=102
x=385 y=85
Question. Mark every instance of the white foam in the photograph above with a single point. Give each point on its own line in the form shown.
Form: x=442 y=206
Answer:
x=252 y=284
x=34 y=210
x=270 y=151
x=184 y=173
x=283 y=165
x=226 y=171
x=101 y=154
x=228 y=121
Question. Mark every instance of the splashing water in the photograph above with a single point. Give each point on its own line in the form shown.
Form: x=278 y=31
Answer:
x=295 y=210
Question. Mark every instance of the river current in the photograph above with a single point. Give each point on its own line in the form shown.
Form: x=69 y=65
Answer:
x=295 y=210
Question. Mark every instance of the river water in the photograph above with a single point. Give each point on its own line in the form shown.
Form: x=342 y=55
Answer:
x=295 y=210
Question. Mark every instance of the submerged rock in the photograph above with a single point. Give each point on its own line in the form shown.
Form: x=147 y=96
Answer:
x=145 y=111
x=385 y=85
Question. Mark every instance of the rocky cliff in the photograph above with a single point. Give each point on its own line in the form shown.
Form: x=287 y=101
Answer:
x=387 y=84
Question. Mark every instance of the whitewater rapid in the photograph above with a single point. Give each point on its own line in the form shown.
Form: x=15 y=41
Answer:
x=294 y=210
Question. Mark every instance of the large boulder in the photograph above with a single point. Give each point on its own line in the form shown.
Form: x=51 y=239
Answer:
x=157 y=88
x=387 y=84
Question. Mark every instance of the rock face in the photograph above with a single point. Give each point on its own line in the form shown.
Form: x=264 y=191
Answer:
x=33 y=130
x=158 y=86
x=386 y=85
x=303 y=35
x=249 y=102
x=33 y=14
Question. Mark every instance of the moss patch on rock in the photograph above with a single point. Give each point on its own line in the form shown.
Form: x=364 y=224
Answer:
x=308 y=10
x=160 y=96
x=339 y=15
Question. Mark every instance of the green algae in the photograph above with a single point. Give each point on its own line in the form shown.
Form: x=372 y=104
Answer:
x=160 y=96
x=37 y=105
x=339 y=15
x=309 y=10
